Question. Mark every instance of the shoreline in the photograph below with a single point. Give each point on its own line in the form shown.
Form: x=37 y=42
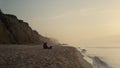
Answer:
x=95 y=60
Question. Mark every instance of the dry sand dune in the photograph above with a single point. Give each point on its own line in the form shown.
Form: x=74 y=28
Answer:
x=24 y=56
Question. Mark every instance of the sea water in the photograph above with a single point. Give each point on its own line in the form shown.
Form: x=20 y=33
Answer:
x=103 y=57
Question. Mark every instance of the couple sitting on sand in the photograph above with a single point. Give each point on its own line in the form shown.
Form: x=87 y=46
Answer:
x=45 y=46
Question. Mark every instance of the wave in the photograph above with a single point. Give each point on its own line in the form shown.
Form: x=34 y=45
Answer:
x=97 y=62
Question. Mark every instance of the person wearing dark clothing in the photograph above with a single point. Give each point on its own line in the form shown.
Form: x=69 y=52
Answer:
x=45 y=46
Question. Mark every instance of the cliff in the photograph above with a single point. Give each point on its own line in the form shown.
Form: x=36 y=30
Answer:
x=15 y=31
x=37 y=57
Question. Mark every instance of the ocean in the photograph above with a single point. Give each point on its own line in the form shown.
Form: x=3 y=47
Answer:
x=102 y=57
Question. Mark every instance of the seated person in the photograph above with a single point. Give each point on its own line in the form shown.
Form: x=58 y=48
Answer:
x=45 y=46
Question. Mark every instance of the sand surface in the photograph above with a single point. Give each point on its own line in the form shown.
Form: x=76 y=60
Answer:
x=34 y=56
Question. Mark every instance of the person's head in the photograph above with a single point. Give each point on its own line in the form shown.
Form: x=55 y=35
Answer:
x=45 y=42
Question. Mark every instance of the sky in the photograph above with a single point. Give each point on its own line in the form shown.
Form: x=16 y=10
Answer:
x=77 y=22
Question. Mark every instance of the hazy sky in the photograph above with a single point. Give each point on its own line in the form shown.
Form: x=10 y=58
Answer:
x=84 y=22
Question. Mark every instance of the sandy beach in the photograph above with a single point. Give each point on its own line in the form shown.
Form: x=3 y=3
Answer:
x=34 y=56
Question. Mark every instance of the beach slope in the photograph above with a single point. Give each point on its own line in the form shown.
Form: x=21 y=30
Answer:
x=29 y=56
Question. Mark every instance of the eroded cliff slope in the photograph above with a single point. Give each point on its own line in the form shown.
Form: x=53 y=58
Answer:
x=15 y=31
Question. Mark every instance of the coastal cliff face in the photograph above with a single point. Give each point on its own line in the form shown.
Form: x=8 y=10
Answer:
x=37 y=57
x=15 y=31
